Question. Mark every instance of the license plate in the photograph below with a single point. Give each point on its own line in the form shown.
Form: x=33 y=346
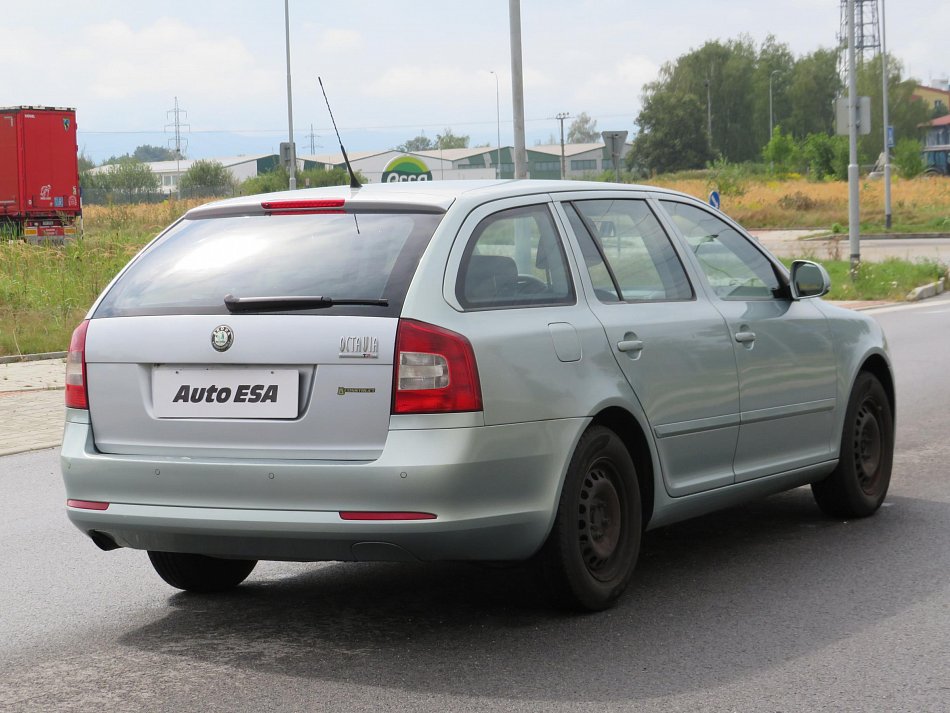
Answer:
x=224 y=393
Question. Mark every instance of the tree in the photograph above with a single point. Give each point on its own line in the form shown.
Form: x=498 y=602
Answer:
x=775 y=62
x=146 y=153
x=131 y=178
x=672 y=133
x=906 y=114
x=419 y=143
x=811 y=91
x=448 y=140
x=85 y=163
x=207 y=178
x=583 y=130
x=316 y=177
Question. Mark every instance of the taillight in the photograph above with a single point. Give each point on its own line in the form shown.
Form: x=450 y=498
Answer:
x=434 y=371
x=76 y=368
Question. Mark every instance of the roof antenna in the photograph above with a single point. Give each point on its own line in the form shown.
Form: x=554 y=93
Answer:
x=346 y=159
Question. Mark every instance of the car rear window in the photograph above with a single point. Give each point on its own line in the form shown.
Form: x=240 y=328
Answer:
x=196 y=263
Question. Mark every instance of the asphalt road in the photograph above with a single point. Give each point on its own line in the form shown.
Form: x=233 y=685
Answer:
x=769 y=607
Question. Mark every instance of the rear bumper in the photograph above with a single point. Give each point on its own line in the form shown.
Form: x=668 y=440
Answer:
x=493 y=489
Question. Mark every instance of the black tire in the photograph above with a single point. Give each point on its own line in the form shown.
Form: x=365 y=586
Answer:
x=200 y=573
x=590 y=555
x=858 y=485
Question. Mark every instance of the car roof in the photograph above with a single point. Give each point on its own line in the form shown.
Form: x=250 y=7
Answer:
x=438 y=195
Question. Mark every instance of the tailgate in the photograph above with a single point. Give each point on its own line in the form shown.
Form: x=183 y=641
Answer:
x=297 y=386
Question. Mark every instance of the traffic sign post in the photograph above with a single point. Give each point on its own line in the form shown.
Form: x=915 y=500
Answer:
x=714 y=200
x=615 y=142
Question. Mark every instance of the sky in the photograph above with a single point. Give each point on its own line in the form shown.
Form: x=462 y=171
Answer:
x=392 y=70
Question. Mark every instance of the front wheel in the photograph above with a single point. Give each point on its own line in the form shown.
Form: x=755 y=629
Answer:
x=200 y=573
x=590 y=555
x=858 y=485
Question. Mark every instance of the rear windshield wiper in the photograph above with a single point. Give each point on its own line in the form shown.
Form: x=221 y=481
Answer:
x=292 y=302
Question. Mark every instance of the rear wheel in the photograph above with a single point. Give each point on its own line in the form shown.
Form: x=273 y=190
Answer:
x=200 y=573
x=591 y=552
x=858 y=485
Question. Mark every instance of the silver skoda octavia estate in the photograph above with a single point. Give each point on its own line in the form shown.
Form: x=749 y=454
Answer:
x=460 y=371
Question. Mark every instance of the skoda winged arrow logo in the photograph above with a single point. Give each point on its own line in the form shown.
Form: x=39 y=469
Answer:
x=222 y=338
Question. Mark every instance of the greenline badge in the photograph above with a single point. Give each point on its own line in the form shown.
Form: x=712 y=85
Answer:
x=406 y=168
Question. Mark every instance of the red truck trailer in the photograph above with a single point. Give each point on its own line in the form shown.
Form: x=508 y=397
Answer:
x=39 y=173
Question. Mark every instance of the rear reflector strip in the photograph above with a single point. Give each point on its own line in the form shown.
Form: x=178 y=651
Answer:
x=386 y=516
x=87 y=504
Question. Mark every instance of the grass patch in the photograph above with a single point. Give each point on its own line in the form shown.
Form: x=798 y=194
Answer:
x=888 y=280
x=46 y=290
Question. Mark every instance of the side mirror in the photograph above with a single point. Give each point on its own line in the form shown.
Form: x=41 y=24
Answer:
x=809 y=279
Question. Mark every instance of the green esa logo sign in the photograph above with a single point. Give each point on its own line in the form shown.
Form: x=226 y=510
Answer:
x=406 y=168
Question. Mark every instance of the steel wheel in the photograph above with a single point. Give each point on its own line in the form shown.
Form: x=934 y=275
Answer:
x=600 y=521
x=592 y=549
x=858 y=484
x=868 y=447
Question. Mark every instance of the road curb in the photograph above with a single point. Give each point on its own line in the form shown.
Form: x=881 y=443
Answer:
x=31 y=447
x=31 y=357
x=878 y=236
x=924 y=291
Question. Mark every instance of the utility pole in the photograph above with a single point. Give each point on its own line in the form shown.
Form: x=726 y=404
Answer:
x=177 y=141
x=517 y=88
x=561 y=117
x=708 y=114
x=290 y=109
x=887 y=146
x=312 y=136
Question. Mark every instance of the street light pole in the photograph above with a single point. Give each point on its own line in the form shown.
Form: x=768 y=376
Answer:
x=771 y=74
x=708 y=115
x=517 y=88
x=854 y=217
x=498 y=120
x=887 y=148
x=290 y=109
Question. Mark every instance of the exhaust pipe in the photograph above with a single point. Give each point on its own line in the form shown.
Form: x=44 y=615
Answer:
x=103 y=541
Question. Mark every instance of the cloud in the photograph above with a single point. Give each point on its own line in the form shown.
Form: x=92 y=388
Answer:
x=336 y=39
x=171 y=57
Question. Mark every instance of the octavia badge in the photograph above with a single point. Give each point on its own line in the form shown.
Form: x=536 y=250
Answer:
x=222 y=338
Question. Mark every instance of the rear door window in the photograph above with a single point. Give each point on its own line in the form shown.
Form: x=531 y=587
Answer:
x=515 y=258
x=194 y=265
x=634 y=251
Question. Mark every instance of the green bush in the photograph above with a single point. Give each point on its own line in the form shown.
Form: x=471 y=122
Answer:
x=908 y=159
x=727 y=178
x=781 y=152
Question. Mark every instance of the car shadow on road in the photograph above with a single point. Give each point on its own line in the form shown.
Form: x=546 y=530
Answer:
x=715 y=599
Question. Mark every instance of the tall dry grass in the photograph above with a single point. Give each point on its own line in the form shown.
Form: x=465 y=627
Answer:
x=920 y=204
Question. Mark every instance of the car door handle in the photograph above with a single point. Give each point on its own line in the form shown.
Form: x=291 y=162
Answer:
x=745 y=337
x=630 y=345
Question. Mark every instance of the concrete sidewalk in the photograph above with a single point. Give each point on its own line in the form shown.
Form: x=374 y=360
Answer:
x=31 y=405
